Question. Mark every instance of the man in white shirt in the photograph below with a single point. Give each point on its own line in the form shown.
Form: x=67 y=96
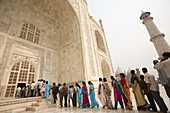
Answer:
x=32 y=88
x=165 y=66
x=154 y=90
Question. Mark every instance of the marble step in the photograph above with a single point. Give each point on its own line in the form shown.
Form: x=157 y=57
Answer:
x=36 y=108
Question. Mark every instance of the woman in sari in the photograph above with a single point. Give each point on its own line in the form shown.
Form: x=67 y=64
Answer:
x=92 y=95
x=125 y=92
x=117 y=93
x=101 y=95
x=46 y=89
x=85 y=96
x=139 y=97
x=79 y=96
x=107 y=93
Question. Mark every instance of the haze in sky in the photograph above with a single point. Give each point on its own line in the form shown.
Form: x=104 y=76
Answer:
x=127 y=38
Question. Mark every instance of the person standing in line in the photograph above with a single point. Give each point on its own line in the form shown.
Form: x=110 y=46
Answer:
x=107 y=93
x=79 y=96
x=92 y=95
x=125 y=92
x=154 y=90
x=47 y=88
x=26 y=93
x=60 y=95
x=139 y=97
x=38 y=87
x=74 y=96
x=146 y=91
x=43 y=88
x=85 y=95
x=101 y=95
x=65 y=93
x=32 y=88
x=163 y=68
x=70 y=96
x=54 y=92
x=117 y=92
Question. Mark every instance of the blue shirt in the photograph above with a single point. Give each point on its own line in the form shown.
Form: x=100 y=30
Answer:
x=70 y=92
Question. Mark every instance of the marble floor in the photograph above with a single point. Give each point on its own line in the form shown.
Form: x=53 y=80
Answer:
x=86 y=110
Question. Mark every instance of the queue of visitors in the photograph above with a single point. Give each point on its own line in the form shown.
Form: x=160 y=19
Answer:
x=141 y=86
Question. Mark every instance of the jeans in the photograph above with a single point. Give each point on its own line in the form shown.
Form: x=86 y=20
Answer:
x=167 y=89
x=32 y=93
x=121 y=104
x=70 y=98
x=159 y=101
x=54 y=97
x=152 y=103
x=39 y=94
x=65 y=100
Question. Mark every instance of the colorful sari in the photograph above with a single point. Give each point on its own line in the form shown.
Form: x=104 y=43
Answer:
x=47 y=90
x=139 y=97
x=126 y=93
x=107 y=93
x=85 y=97
x=79 y=96
x=117 y=94
x=92 y=97
x=117 y=91
x=101 y=95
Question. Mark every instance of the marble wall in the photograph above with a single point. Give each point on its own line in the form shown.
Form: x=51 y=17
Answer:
x=67 y=50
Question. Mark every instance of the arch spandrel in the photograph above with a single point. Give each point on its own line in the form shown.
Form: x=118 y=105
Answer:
x=105 y=69
x=100 y=41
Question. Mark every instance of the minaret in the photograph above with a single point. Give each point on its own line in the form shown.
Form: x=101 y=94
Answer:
x=155 y=35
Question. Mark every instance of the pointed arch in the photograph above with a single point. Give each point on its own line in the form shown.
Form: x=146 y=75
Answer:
x=100 y=41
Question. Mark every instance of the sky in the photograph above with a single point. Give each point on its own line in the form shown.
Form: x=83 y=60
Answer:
x=127 y=38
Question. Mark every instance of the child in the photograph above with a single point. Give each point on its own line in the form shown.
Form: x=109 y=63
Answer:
x=70 y=95
x=51 y=95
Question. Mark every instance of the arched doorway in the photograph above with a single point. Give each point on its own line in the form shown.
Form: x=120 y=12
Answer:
x=22 y=73
x=105 y=69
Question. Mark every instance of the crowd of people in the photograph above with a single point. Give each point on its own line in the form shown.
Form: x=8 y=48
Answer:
x=144 y=85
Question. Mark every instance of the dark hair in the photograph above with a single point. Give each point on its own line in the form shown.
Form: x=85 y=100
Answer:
x=84 y=83
x=70 y=86
x=64 y=84
x=41 y=79
x=100 y=79
x=122 y=74
x=78 y=85
x=89 y=82
x=166 y=54
x=104 y=79
x=132 y=72
x=32 y=81
x=46 y=82
x=155 y=62
x=53 y=83
x=38 y=80
x=59 y=85
x=142 y=77
x=113 y=78
x=144 y=70
x=52 y=88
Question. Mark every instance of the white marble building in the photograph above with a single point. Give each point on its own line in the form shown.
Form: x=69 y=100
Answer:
x=56 y=40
